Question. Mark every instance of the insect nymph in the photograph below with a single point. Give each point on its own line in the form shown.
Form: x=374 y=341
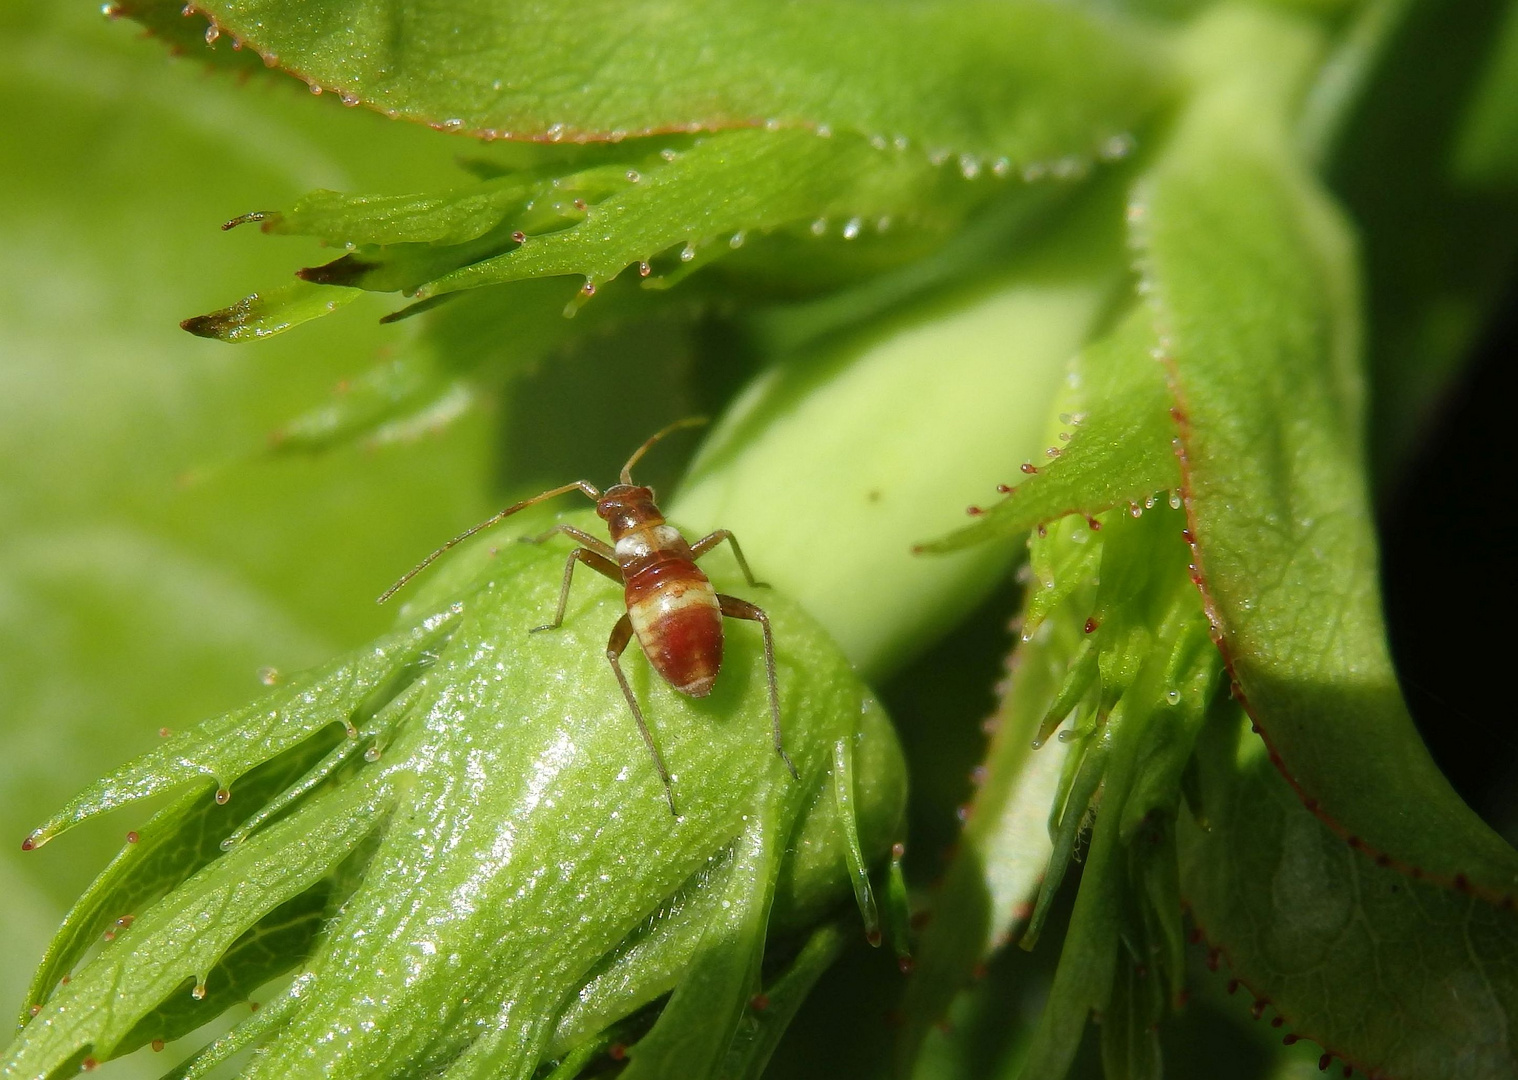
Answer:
x=672 y=608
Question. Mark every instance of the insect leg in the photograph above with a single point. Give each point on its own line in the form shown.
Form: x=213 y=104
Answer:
x=599 y=546
x=595 y=562
x=621 y=634
x=734 y=608
x=706 y=543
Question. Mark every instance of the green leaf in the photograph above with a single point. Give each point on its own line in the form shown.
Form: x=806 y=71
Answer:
x=1250 y=274
x=1083 y=981
x=723 y=187
x=1487 y=151
x=353 y=691
x=454 y=217
x=182 y=34
x=245 y=1035
x=1029 y=82
x=667 y=212
x=1130 y=1032
x=1437 y=252
x=878 y=164
x=768 y=1017
x=269 y=948
x=178 y=841
x=180 y=939
x=1119 y=436
x=364 y=408
x=268 y=313
x=851 y=177
x=648 y=962
x=445 y=370
x=492 y=754
x=1395 y=977
x=1004 y=850
x=822 y=850
x=692 y=1034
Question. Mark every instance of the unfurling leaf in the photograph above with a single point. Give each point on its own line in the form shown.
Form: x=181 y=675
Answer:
x=1120 y=660
x=472 y=868
x=1132 y=736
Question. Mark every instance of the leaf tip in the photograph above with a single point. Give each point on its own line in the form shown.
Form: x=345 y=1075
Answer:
x=417 y=308
x=268 y=217
x=347 y=270
x=217 y=325
x=944 y=544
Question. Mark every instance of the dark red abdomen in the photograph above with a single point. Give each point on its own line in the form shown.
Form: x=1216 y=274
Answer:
x=675 y=614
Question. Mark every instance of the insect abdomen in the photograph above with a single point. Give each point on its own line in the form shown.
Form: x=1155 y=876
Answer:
x=673 y=609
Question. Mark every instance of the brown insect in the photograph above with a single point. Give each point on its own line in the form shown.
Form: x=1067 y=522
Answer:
x=671 y=605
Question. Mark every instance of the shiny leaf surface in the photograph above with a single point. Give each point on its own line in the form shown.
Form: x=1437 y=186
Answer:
x=537 y=732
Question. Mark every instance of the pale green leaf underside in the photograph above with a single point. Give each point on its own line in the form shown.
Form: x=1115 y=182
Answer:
x=1030 y=82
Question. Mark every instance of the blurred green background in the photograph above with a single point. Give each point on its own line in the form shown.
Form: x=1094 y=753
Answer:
x=152 y=558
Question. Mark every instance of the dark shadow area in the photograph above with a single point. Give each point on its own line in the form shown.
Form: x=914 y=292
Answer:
x=938 y=704
x=1434 y=251
x=578 y=413
x=1449 y=578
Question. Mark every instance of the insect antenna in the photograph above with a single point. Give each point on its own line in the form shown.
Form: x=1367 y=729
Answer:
x=688 y=422
x=495 y=519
